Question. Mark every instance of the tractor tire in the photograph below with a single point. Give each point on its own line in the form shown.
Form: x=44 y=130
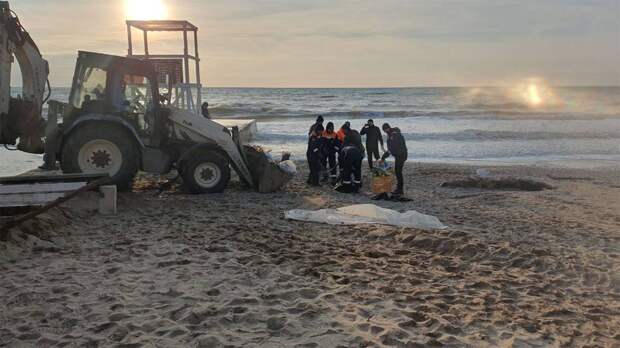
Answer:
x=206 y=172
x=101 y=148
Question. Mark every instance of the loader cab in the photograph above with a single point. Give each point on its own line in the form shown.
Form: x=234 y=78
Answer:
x=120 y=87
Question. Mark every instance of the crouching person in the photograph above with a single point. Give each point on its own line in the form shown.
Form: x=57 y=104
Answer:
x=351 y=166
x=314 y=153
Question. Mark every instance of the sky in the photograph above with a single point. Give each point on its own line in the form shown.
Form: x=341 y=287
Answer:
x=351 y=43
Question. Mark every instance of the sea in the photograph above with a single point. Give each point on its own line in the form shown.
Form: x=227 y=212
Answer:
x=531 y=124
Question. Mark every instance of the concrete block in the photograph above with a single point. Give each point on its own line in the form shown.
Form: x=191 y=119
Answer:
x=107 y=202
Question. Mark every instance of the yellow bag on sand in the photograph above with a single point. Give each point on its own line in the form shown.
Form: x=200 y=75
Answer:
x=382 y=184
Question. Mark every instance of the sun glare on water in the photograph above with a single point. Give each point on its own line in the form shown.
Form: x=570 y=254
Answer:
x=145 y=9
x=533 y=95
x=535 y=92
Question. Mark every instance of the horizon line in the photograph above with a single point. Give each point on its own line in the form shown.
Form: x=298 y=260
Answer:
x=383 y=87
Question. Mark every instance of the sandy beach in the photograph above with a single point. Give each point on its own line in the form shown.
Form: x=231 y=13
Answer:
x=507 y=233
x=514 y=269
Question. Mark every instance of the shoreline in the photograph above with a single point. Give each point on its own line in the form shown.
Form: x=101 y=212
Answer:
x=559 y=163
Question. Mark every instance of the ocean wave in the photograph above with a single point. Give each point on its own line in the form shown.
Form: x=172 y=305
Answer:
x=268 y=112
x=469 y=135
x=502 y=106
x=484 y=135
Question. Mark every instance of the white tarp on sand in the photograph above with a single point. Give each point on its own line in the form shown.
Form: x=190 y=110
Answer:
x=367 y=214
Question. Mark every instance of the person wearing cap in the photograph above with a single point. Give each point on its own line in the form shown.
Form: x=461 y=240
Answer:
x=397 y=147
x=319 y=121
x=373 y=139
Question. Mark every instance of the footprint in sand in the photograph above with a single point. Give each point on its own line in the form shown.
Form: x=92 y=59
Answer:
x=119 y=334
x=418 y=317
x=118 y=317
x=276 y=323
x=376 y=329
x=394 y=337
x=213 y=292
x=208 y=342
x=309 y=293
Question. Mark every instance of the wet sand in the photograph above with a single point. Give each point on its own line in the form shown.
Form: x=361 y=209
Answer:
x=514 y=269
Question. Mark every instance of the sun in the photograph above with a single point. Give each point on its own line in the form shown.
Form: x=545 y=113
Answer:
x=145 y=9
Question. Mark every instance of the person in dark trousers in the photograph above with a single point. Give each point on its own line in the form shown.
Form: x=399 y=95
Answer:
x=331 y=147
x=397 y=148
x=351 y=164
x=373 y=139
x=313 y=154
x=319 y=121
x=352 y=138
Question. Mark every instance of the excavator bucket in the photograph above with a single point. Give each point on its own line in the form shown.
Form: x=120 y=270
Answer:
x=269 y=176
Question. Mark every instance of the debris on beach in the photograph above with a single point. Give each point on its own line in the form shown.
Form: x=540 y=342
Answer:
x=367 y=214
x=488 y=182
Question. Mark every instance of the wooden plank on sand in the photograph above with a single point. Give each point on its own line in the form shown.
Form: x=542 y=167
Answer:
x=45 y=178
x=35 y=194
x=40 y=188
x=28 y=199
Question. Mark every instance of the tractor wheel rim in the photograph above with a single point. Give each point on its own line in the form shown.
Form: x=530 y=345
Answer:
x=207 y=175
x=100 y=156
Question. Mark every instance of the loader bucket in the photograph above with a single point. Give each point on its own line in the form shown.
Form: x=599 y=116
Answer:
x=267 y=174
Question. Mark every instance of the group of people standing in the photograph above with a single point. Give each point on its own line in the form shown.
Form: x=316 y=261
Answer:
x=337 y=156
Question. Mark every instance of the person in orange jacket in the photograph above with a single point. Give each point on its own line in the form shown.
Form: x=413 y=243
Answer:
x=331 y=147
x=342 y=132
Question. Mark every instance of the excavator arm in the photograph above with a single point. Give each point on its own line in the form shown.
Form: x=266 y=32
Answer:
x=21 y=118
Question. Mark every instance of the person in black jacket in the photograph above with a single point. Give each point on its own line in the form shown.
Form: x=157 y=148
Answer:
x=373 y=139
x=353 y=137
x=319 y=121
x=350 y=159
x=313 y=154
x=397 y=147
